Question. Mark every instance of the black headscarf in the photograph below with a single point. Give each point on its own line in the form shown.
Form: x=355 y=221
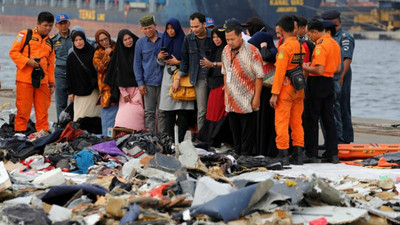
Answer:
x=82 y=79
x=173 y=44
x=120 y=70
x=215 y=78
x=216 y=51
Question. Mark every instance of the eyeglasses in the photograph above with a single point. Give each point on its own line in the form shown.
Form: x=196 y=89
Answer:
x=103 y=40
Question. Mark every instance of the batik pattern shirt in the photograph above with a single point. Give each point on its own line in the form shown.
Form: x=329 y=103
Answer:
x=241 y=69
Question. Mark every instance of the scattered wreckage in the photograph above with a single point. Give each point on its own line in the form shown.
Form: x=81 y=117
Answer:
x=70 y=176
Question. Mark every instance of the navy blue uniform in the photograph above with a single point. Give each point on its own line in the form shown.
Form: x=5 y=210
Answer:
x=346 y=43
x=61 y=47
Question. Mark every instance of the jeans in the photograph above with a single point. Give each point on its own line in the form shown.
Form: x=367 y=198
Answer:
x=151 y=103
x=201 y=99
x=108 y=118
x=61 y=90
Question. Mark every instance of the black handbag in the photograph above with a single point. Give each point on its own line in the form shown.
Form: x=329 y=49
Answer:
x=296 y=75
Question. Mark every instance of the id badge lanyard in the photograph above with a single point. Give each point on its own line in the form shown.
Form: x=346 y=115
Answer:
x=229 y=72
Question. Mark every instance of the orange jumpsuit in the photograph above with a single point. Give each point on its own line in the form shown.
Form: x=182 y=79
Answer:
x=290 y=105
x=26 y=94
x=327 y=54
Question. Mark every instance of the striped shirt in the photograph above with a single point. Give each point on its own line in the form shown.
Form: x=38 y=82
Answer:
x=245 y=66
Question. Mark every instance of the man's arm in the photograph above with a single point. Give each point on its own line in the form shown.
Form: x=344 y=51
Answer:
x=347 y=46
x=50 y=70
x=256 y=100
x=51 y=66
x=184 y=66
x=137 y=65
x=317 y=69
x=282 y=60
x=346 y=67
x=257 y=69
x=15 y=52
x=138 y=68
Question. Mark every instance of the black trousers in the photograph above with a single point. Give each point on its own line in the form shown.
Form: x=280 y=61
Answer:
x=320 y=105
x=243 y=127
x=182 y=122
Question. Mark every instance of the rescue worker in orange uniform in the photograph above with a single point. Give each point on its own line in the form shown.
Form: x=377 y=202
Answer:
x=38 y=53
x=287 y=101
x=326 y=61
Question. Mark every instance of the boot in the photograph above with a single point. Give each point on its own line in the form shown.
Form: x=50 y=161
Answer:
x=297 y=156
x=283 y=157
x=307 y=159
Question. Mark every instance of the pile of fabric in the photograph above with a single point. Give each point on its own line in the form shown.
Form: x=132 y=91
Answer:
x=70 y=176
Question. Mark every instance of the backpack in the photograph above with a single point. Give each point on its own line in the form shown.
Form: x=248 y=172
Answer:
x=27 y=39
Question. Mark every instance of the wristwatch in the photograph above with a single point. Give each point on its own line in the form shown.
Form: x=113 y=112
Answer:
x=215 y=64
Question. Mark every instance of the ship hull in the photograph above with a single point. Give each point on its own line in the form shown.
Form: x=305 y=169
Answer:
x=14 y=17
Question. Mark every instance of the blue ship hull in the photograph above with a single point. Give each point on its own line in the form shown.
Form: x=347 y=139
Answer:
x=268 y=10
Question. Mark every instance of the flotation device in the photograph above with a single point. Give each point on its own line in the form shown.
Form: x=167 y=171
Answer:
x=363 y=151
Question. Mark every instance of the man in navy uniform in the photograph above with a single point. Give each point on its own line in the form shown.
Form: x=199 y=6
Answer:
x=62 y=43
x=346 y=43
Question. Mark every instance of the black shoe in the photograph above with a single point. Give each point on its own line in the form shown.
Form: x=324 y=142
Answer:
x=331 y=159
x=282 y=157
x=297 y=157
x=307 y=159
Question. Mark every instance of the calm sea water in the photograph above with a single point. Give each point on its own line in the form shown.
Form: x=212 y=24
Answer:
x=375 y=86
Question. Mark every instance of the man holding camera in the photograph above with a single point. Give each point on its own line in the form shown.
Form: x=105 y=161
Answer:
x=33 y=54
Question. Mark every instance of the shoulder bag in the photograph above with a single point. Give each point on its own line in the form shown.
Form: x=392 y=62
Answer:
x=296 y=75
x=83 y=65
x=186 y=91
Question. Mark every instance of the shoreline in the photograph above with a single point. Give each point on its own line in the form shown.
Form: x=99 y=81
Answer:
x=376 y=35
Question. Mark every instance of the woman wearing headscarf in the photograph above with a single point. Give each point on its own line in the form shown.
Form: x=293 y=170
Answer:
x=82 y=78
x=170 y=57
x=124 y=88
x=216 y=129
x=101 y=59
x=266 y=135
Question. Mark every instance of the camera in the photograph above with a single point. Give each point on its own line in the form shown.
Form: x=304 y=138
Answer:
x=164 y=49
x=38 y=61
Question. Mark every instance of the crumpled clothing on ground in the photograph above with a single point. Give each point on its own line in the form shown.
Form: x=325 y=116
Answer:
x=36 y=135
x=24 y=214
x=61 y=194
x=58 y=149
x=84 y=160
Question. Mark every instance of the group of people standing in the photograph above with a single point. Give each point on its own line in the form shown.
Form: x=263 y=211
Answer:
x=243 y=94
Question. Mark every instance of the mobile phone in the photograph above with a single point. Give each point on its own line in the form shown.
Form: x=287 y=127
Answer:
x=164 y=49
